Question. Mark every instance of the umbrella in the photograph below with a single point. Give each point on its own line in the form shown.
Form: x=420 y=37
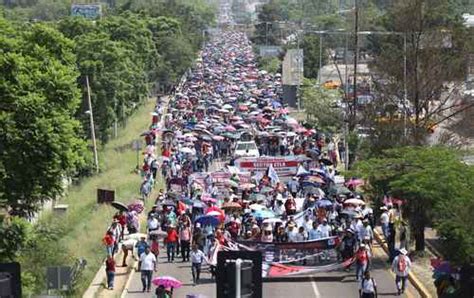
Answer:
x=324 y=203
x=230 y=128
x=340 y=190
x=187 y=201
x=326 y=161
x=167 y=282
x=214 y=213
x=272 y=220
x=316 y=179
x=257 y=207
x=257 y=197
x=247 y=186
x=350 y=213
x=266 y=190
x=120 y=206
x=208 y=220
x=208 y=199
x=263 y=214
x=198 y=204
x=354 y=202
x=159 y=233
x=186 y=150
x=231 y=205
x=354 y=183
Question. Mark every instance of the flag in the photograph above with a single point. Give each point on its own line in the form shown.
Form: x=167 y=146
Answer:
x=272 y=174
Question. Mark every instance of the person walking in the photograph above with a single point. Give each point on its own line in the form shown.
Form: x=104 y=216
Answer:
x=367 y=287
x=148 y=265
x=170 y=242
x=185 y=239
x=141 y=247
x=110 y=271
x=401 y=266
x=197 y=257
x=362 y=261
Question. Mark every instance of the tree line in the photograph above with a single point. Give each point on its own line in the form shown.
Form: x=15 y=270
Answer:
x=43 y=111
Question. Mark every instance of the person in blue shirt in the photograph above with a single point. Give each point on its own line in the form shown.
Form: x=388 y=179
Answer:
x=141 y=246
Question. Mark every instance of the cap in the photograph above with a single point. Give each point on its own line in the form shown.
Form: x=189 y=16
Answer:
x=362 y=245
x=198 y=225
x=383 y=208
x=403 y=251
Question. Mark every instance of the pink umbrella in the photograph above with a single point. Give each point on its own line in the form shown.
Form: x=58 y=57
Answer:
x=167 y=282
x=230 y=128
x=354 y=183
x=208 y=199
x=218 y=138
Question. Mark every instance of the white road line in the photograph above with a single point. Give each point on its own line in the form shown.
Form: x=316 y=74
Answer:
x=315 y=288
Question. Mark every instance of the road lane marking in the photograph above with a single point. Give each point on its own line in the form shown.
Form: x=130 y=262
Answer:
x=315 y=288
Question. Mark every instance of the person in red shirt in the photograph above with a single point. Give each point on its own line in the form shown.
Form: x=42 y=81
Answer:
x=122 y=220
x=110 y=271
x=170 y=241
x=362 y=261
x=109 y=242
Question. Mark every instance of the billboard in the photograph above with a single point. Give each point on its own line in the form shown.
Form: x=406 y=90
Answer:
x=88 y=11
x=293 y=67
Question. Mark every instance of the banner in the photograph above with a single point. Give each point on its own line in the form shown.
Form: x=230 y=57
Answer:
x=291 y=252
x=284 y=166
x=220 y=179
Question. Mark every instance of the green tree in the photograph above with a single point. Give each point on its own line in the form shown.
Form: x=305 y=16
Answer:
x=321 y=106
x=13 y=238
x=435 y=54
x=428 y=179
x=266 y=30
x=40 y=141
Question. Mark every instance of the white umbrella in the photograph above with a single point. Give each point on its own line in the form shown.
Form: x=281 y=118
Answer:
x=354 y=202
x=186 y=150
x=257 y=207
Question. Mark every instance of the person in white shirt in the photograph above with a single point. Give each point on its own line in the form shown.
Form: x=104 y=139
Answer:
x=401 y=266
x=147 y=266
x=384 y=221
x=324 y=229
x=365 y=231
x=292 y=233
x=301 y=235
x=152 y=224
x=367 y=286
x=197 y=257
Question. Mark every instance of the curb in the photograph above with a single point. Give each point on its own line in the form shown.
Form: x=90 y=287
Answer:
x=129 y=279
x=411 y=276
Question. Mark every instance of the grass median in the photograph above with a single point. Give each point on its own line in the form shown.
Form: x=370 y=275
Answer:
x=86 y=221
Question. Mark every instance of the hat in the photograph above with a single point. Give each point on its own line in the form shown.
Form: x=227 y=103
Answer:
x=358 y=215
x=198 y=225
x=350 y=231
x=403 y=251
x=291 y=224
x=362 y=245
x=268 y=228
x=383 y=208
x=325 y=219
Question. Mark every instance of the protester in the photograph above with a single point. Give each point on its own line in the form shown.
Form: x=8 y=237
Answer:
x=170 y=242
x=197 y=258
x=362 y=261
x=185 y=237
x=141 y=246
x=147 y=266
x=110 y=272
x=401 y=266
x=367 y=286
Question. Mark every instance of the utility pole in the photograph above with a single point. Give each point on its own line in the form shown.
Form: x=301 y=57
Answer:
x=356 y=56
x=91 y=117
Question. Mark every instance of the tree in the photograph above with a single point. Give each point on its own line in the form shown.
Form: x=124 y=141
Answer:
x=321 y=106
x=266 y=30
x=312 y=55
x=41 y=142
x=428 y=179
x=435 y=61
x=13 y=238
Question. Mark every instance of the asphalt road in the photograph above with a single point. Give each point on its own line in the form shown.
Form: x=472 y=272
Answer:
x=332 y=284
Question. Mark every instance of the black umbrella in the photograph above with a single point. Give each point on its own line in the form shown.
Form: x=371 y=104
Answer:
x=326 y=161
x=119 y=206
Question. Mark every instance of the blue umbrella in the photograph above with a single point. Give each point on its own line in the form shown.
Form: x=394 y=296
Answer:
x=207 y=220
x=324 y=203
x=263 y=214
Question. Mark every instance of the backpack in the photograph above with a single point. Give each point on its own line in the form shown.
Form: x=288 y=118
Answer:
x=363 y=280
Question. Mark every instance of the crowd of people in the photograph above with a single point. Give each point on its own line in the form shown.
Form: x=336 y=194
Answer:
x=226 y=99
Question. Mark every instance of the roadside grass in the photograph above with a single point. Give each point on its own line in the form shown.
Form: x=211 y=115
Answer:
x=87 y=221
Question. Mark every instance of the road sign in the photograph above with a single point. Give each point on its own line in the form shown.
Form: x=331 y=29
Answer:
x=88 y=11
x=59 y=278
